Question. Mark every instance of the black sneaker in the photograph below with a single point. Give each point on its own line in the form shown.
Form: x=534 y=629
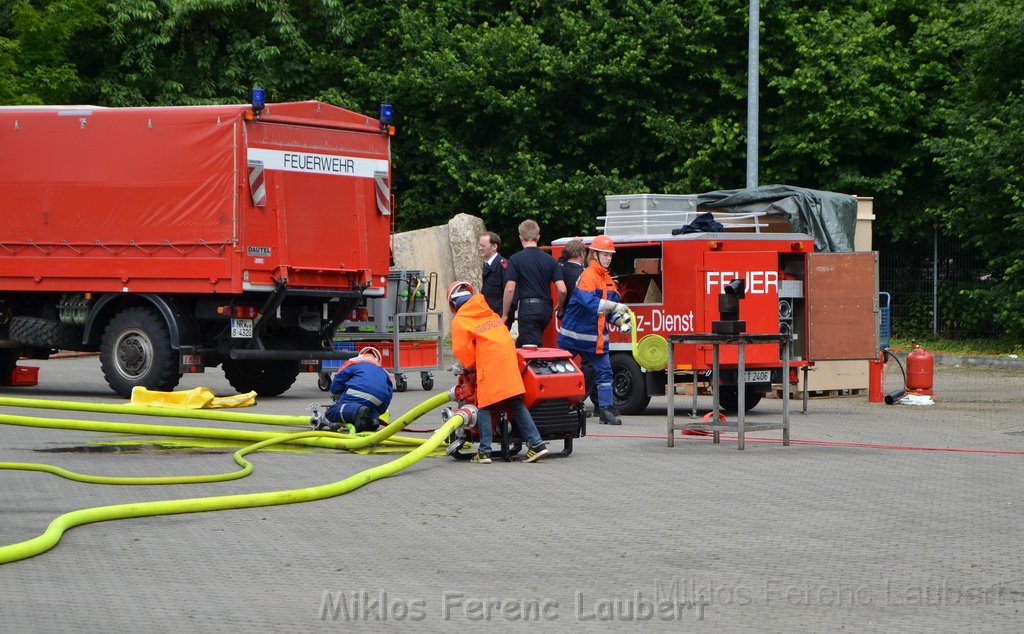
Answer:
x=535 y=453
x=481 y=458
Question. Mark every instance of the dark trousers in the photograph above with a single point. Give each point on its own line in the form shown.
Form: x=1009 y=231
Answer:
x=533 y=318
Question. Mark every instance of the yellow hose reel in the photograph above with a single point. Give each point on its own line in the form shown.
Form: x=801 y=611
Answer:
x=651 y=352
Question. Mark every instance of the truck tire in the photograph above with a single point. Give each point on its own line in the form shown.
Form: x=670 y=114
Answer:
x=266 y=378
x=629 y=391
x=729 y=398
x=136 y=350
x=46 y=333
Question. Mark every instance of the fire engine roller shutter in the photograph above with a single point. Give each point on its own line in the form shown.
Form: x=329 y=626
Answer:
x=842 y=305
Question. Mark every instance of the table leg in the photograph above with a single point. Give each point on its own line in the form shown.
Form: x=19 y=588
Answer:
x=741 y=396
x=670 y=389
x=785 y=395
x=716 y=389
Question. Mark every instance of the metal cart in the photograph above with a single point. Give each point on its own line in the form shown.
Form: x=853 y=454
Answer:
x=402 y=326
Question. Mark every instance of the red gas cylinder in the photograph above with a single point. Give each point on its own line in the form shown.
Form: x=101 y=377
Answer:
x=876 y=378
x=920 y=368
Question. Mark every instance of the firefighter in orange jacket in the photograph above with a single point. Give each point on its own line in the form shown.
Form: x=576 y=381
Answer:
x=481 y=342
x=589 y=312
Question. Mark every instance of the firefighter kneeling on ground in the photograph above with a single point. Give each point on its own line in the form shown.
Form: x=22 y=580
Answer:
x=589 y=312
x=362 y=392
x=482 y=343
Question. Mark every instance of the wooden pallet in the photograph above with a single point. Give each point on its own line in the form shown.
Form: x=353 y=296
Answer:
x=798 y=394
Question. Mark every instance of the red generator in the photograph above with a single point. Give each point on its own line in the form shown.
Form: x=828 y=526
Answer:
x=554 y=395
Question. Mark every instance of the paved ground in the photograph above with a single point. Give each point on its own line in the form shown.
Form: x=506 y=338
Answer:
x=624 y=535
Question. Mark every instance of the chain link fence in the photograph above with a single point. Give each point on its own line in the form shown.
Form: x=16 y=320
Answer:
x=927 y=281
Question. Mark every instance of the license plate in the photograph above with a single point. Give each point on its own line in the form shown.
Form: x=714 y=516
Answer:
x=241 y=329
x=757 y=376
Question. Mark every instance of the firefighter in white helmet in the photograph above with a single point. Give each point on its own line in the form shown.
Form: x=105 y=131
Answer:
x=363 y=391
x=591 y=310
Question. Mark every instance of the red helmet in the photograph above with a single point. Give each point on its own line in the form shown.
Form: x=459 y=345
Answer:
x=602 y=243
x=457 y=290
x=373 y=353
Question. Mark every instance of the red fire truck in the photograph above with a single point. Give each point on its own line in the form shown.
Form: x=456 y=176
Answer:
x=173 y=239
x=826 y=301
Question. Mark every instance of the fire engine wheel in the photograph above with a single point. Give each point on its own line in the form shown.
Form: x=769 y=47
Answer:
x=628 y=387
x=266 y=378
x=136 y=350
x=730 y=399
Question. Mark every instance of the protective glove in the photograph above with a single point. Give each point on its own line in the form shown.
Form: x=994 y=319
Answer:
x=457 y=368
x=621 y=321
x=609 y=307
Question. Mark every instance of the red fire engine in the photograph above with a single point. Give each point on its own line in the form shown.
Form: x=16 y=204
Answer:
x=177 y=238
x=826 y=301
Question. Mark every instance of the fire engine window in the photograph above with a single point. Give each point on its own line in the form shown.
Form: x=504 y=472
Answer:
x=637 y=270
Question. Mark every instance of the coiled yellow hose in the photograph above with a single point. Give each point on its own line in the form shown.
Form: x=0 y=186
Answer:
x=49 y=538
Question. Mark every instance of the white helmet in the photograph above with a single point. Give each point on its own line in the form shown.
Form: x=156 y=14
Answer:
x=458 y=293
x=373 y=353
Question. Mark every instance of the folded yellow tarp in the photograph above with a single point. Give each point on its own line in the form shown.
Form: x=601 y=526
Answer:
x=196 y=398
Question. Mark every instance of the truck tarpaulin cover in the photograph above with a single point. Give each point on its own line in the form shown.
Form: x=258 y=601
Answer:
x=828 y=217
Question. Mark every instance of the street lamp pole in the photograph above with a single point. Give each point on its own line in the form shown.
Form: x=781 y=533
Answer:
x=753 y=44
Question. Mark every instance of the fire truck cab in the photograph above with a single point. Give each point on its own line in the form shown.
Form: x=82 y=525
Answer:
x=672 y=284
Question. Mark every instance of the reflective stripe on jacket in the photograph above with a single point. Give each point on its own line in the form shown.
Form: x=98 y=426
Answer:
x=583 y=327
x=361 y=378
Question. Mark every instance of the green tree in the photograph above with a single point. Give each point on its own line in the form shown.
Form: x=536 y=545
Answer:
x=982 y=155
x=36 y=49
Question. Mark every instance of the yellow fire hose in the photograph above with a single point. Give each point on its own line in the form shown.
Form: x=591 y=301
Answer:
x=651 y=352
x=56 y=529
x=206 y=414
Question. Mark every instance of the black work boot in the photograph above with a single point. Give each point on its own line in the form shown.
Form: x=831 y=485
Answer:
x=365 y=420
x=608 y=416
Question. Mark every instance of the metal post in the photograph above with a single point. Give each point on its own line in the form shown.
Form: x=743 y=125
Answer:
x=935 y=279
x=741 y=395
x=753 y=44
x=670 y=391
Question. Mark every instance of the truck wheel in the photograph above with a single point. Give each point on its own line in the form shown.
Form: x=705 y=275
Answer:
x=46 y=333
x=266 y=378
x=729 y=399
x=628 y=389
x=136 y=350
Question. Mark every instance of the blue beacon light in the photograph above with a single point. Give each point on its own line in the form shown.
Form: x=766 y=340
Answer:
x=258 y=100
